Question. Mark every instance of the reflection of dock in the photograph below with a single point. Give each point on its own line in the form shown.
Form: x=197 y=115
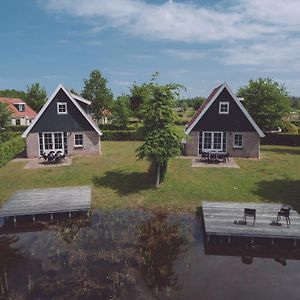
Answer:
x=47 y=201
x=220 y=217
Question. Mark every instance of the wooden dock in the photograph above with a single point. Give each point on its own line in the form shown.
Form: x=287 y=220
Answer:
x=219 y=220
x=47 y=201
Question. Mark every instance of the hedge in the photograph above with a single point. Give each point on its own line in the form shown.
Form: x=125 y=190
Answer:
x=19 y=128
x=120 y=135
x=282 y=139
x=7 y=135
x=10 y=149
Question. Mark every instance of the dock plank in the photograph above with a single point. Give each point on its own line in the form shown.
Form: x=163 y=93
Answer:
x=219 y=219
x=51 y=200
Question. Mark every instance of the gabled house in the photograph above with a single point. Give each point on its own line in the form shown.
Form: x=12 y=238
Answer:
x=21 y=113
x=223 y=124
x=63 y=124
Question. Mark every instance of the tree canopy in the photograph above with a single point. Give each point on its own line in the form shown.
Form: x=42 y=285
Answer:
x=5 y=116
x=162 y=139
x=95 y=89
x=121 y=112
x=36 y=96
x=267 y=101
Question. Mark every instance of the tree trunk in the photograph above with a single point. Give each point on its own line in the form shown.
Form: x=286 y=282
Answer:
x=157 y=174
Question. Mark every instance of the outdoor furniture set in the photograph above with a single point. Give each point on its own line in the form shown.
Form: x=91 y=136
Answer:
x=215 y=156
x=53 y=157
x=284 y=212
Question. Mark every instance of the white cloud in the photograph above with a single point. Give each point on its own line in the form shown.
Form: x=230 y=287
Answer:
x=275 y=54
x=170 y=21
x=185 y=54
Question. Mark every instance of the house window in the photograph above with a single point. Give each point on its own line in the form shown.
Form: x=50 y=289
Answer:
x=21 y=107
x=238 y=140
x=62 y=108
x=213 y=141
x=78 y=140
x=224 y=108
x=18 y=122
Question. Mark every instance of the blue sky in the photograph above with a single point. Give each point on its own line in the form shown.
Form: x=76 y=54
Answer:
x=197 y=43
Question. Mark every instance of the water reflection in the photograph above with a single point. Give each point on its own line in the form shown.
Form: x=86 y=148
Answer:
x=159 y=245
x=139 y=255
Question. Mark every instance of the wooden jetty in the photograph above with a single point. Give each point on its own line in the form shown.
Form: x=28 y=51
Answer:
x=47 y=201
x=219 y=220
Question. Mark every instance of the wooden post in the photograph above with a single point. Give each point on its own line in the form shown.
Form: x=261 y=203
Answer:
x=51 y=216
x=70 y=214
x=15 y=219
x=33 y=218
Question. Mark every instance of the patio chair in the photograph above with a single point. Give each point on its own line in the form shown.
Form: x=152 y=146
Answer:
x=249 y=212
x=284 y=212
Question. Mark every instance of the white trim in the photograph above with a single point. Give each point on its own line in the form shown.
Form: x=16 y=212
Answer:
x=233 y=142
x=53 y=141
x=78 y=146
x=212 y=140
x=227 y=105
x=62 y=112
x=79 y=98
x=240 y=105
x=60 y=86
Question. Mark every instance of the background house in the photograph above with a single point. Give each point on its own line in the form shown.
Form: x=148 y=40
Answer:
x=21 y=112
x=223 y=124
x=63 y=124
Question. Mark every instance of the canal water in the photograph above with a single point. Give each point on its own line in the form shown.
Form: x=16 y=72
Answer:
x=139 y=255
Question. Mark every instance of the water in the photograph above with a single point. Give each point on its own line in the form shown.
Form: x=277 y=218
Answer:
x=139 y=255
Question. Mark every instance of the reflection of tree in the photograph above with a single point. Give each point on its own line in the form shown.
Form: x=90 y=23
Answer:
x=159 y=244
x=10 y=258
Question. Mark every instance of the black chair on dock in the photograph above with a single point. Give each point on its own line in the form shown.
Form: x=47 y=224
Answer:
x=249 y=212
x=284 y=212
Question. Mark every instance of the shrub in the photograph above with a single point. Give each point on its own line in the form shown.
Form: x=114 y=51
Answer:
x=119 y=135
x=7 y=135
x=281 y=139
x=17 y=128
x=10 y=149
x=288 y=127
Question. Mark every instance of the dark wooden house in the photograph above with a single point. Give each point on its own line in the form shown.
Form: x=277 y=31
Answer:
x=63 y=124
x=223 y=124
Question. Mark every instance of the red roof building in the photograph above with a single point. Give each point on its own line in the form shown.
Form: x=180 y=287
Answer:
x=21 y=113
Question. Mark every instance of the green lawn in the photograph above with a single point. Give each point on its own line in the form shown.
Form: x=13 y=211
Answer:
x=119 y=181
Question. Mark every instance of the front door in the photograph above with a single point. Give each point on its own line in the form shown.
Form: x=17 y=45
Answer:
x=212 y=141
x=53 y=141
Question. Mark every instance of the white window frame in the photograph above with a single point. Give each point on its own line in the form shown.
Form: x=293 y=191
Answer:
x=66 y=108
x=212 y=141
x=224 y=112
x=53 y=142
x=75 y=145
x=238 y=146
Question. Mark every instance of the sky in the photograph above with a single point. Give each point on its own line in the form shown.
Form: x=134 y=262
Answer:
x=199 y=44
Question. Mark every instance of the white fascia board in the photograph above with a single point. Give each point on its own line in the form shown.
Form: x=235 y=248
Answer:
x=60 y=86
x=79 y=98
x=25 y=133
x=241 y=106
x=204 y=110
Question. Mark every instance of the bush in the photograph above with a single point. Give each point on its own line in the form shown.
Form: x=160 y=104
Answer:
x=120 y=135
x=7 y=135
x=17 y=128
x=281 y=139
x=288 y=127
x=10 y=149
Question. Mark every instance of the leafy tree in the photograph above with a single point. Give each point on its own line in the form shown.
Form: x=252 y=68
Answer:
x=162 y=140
x=36 y=96
x=267 y=102
x=13 y=94
x=138 y=96
x=95 y=89
x=121 y=112
x=5 y=116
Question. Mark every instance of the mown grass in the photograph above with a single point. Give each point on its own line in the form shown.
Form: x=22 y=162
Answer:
x=120 y=181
